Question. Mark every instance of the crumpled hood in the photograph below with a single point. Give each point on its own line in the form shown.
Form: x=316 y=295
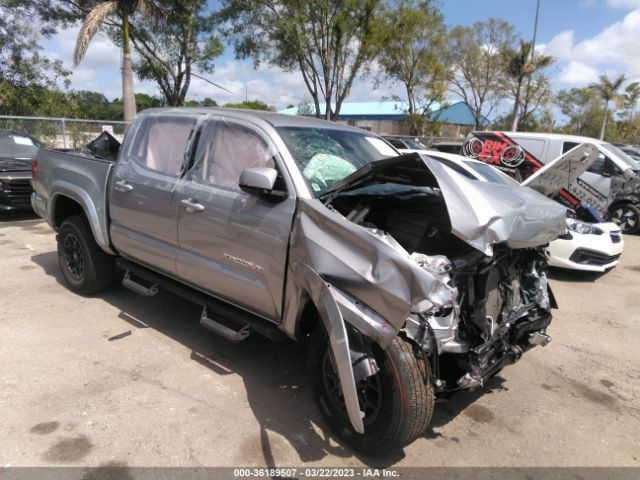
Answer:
x=14 y=165
x=480 y=213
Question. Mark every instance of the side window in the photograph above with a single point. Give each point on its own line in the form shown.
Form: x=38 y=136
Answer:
x=396 y=143
x=225 y=149
x=598 y=165
x=161 y=142
x=566 y=146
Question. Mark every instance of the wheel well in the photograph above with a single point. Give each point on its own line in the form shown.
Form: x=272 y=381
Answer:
x=307 y=319
x=64 y=208
x=618 y=203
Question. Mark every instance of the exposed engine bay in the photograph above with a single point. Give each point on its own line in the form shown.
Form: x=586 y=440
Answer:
x=503 y=301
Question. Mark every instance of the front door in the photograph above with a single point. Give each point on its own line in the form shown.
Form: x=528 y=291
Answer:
x=143 y=200
x=234 y=244
x=594 y=185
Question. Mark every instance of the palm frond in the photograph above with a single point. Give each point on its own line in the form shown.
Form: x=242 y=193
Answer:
x=92 y=23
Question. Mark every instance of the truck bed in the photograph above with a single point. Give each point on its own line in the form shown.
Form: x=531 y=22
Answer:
x=64 y=175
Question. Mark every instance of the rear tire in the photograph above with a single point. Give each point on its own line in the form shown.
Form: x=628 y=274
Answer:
x=627 y=217
x=406 y=400
x=86 y=268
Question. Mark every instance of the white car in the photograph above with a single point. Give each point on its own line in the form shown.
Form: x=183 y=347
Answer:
x=593 y=247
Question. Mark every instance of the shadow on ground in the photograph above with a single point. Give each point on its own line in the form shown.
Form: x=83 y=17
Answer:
x=274 y=374
x=566 y=275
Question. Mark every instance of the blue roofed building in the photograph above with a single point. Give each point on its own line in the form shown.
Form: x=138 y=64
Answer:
x=388 y=118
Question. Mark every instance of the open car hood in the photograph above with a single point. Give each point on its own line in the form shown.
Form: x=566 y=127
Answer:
x=480 y=213
x=559 y=173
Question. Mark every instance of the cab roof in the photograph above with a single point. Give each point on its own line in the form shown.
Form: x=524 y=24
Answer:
x=273 y=118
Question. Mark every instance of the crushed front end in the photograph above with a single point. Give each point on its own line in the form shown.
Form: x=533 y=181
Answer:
x=502 y=310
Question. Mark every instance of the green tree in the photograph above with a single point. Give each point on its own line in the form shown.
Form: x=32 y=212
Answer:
x=415 y=55
x=522 y=65
x=144 y=101
x=583 y=110
x=631 y=96
x=478 y=58
x=607 y=90
x=169 y=52
x=250 y=105
x=26 y=74
x=330 y=42
x=95 y=19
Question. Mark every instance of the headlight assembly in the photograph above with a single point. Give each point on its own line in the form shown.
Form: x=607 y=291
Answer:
x=583 y=227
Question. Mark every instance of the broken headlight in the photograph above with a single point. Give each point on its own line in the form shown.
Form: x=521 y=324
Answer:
x=583 y=227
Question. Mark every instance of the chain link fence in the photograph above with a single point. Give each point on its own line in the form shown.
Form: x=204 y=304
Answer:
x=62 y=132
x=431 y=140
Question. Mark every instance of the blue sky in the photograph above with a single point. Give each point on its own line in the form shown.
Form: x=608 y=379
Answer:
x=587 y=37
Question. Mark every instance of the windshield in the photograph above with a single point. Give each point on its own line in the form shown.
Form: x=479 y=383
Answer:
x=325 y=156
x=14 y=145
x=491 y=174
x=614 y=151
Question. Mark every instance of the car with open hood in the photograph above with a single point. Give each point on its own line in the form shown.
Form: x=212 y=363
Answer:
x=405 y=279
x=16 y=152
x=610 y=186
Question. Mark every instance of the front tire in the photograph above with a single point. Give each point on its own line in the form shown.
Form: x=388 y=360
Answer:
x=86 y=268
x=398 y=401
x=627 y=217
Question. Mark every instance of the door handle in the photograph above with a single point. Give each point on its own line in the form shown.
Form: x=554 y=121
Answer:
x=192 y=205
x=123 y=186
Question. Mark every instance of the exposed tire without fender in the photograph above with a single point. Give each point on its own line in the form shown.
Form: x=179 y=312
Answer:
x=85 y=266
x=626 y=216
x=398 y=401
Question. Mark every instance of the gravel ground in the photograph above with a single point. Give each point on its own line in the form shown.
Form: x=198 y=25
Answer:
x=121 y=380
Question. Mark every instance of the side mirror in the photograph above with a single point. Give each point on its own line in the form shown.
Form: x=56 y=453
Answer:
x=258 y=180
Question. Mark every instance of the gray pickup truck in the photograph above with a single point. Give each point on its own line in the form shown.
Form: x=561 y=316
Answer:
x=405 y=279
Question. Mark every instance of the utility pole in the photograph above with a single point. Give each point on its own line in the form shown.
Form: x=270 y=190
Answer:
x=535 y=29
x=533 y=52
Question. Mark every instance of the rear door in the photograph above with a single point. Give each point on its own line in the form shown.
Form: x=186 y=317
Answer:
x=234 y=244
x=143 y=200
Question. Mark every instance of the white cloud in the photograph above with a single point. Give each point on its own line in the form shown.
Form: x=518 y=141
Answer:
x=614 y=50
x=577 y=74
x=624 y=3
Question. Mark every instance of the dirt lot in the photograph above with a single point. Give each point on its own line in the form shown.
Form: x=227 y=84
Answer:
x=122 y=380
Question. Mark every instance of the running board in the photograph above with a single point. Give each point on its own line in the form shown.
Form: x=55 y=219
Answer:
x=224 y=312
x=222 y=330
x=139 y=288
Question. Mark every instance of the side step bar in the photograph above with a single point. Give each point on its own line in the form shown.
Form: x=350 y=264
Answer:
x=138 y=288
x=224 y=313
x=222 y=330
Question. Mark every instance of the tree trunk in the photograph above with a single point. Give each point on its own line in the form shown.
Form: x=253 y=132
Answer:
x=128 y=98
x=516 y=107
x=604 y=119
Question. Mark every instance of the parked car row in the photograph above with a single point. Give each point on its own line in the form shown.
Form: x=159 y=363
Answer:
x=16 y=152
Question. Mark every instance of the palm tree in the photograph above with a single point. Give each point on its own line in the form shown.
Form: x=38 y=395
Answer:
x=522 y=64
x=631 y=96
x=607 y=90
x=96 y=18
